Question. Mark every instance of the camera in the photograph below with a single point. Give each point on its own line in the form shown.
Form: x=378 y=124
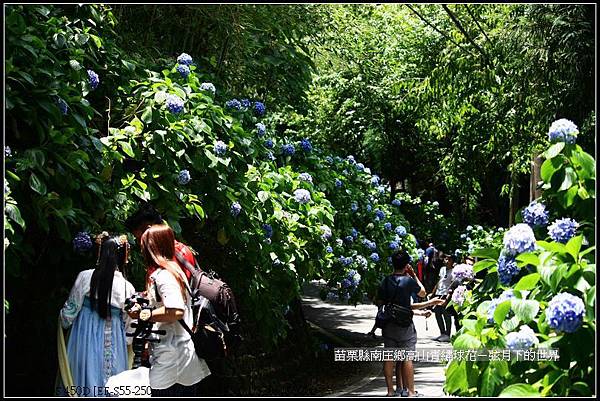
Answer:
x=143 y=334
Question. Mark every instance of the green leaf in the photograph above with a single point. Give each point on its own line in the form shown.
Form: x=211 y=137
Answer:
x=80 y=120
x=75 y=65
x=127 y=148
x=554 y=150
x=489 y=380
x=483 y=264
x=487 y=253
x=97 y=41
x=525 y=309
x=81 y=39
x=574 y=245
x=37 y=185
x=456 y=377
x=519 y=390
x=147 y=115
x=583 y=193
x=570 y=195
x=13 y=212
x=501 y=311
x=263 y=196
x=569 y=180
x=552 y=246
x=527 y=258
x=528 y=282
x=580 y=388
x=587 y=164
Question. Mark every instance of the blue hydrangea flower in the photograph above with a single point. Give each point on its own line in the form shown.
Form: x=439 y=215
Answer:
x=338 y=183
x=565 y=312
x=346 y=261
x=381 y=189
x=82 y=242
x=259 y=108
x=329 y=249
x=339 y=242
x=523 y=339
x=369 y=207
x=463 y=236
x=346 y=283
x=394 y=245
x=349 y=239
x=302 y=196
x=268 y=230
x=261 y=129
x=401 y=231
x=388 y=226
x=351 y=159
x=245 y=103
x=329 y=159
x=458 y=296
x=326 y=232
x=288 y=149
x=367 y=170
x=360 y=166
x=354 y=233
x=269 y=144
x=469 y=228
x=374 y=257
x=62 y=105
x=270 y=156
x=93 y=78
x=396 y=202
x=380 y=213
x=183 y=70
x=236 y=208
x=184 y=177
x=306 y=145
x=174 y=104
x=535 y=214
x=362 y=261
x=507 y=269
x=220 y=148
x=354 y=206
x=520 y=238
x=305 y=177
x=7 y=151
x=562 y=230
x=208 y=87
x=435 y=203
x=332 y=296
x=355 y=279
x=375 y=180
x=463 y=272
x=389 y=260
x=233 y=104
x=507 y=294
x=185 y=59
x=563 y=130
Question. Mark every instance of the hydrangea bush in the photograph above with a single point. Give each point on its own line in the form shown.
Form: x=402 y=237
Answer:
x=538 y=288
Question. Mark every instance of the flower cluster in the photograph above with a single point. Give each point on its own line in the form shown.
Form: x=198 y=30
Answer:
x=236 y=208
x=458 y=296
x=507 y=269
x=339 y=242
x=174 y=104
x=563 y=130
x=220 y=148
x=261 y=129
x=388 y=226
x=208 y=87
x=351 y=159
x=269 y=144
x=354 y=206
x=305 y=177
x=184 y=177
x=233 y=104
x=506 y=295
x=396 y=202
x=535 y=214
x=375 y=180
x=349 y=239
x=82 y=242
x=306 y=145
x=374 y=257
x=183 y=70
x=562 y=230
x=94 y=79
x=184 y=59
x=401 y=231
x=245 y=103
x=380 y=213
x=361 y=261
x=338 y=183
x=369 y=244
x=268 y=230
x=523 y=339
x=62 y=105
x=360 y=166
x=520 y=238
x=394 y=245
x=353 y=277
x=326 y=232
x=288 y=149
x=259 y=108
x=463 y=272
x=329 y=249
x=346 y=261
x=7 y=151
x=565 y=312
x=302 y=196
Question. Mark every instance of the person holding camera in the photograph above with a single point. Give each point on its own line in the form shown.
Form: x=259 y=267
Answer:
x=175 y=369
x=97 y=345
x=395 y=293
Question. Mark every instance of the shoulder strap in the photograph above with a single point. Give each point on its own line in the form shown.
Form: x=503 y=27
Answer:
x=181 y=259
x=389 y=278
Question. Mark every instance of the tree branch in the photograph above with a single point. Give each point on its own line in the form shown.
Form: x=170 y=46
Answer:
x=464 y=32
x=477 y=23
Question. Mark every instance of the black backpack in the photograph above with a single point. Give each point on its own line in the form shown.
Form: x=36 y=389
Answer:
x=216 y=328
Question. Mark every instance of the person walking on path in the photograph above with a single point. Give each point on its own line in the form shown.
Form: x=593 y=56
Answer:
x=396 y=290
x=441 y=290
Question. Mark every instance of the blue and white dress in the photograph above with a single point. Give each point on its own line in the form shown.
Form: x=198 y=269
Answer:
x=97 y=348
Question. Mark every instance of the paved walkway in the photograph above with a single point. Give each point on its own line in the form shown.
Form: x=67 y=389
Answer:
x=352 y=323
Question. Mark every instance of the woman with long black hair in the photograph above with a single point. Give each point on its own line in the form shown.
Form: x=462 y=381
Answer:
x=97 y=346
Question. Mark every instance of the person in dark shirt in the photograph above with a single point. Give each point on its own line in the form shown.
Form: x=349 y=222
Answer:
x=396 y=289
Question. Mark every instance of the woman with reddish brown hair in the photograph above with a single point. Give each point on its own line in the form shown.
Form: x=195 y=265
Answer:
x=175 y=369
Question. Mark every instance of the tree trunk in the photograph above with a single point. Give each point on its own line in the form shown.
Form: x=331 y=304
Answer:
x=534 y=191
x=514 y=198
